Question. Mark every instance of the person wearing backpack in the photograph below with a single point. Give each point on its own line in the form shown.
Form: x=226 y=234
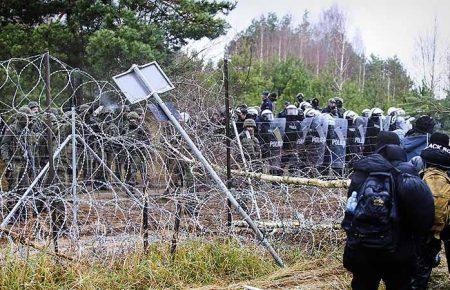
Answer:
x=388 y=204
x=435 y=160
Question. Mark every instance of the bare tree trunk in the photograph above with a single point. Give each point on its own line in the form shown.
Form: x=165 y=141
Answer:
x=364 y=74
x=318 y=61
x=388 y=85
x=261 y=48
x=279 y=47
x=341 y=64
x=433 y=57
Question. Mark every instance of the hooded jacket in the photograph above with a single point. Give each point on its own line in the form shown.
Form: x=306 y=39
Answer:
x=437 y=175
x=415 y=208
x=414 y=144
x=436 y=156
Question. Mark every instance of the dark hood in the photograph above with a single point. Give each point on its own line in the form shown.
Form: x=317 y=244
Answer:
x=393 y=153
x=436 y=156
x=373 y=163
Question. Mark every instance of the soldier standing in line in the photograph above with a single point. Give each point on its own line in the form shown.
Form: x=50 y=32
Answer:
x=16 y=152
x=110 y=131
x=121 y=156
x=137 y=138
x=250 y=145
x=293 y=132
x=84 y=163
x=181 y=173
x=95 y=126
x=252 y=154
x=53 y=192
x=37 y=128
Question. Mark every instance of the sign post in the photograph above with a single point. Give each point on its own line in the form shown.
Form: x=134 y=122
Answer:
x=149 y=80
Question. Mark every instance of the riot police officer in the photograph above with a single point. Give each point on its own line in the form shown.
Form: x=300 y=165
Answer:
x=292 y=133
x=269 y=143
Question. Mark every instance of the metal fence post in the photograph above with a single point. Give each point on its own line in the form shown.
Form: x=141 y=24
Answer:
x=208 y=167
x=228 y=135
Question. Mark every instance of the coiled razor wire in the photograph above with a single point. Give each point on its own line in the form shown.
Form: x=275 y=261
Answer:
x=103 y=216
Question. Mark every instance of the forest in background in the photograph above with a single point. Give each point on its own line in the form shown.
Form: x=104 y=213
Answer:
x=316 y=58
x=319 y=60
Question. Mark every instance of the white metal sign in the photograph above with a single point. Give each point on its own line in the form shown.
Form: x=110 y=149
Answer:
x=134 y=90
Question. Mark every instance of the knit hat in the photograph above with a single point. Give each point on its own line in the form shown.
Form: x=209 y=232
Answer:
x=439 y=139
x=425 y=124
x=386 y=137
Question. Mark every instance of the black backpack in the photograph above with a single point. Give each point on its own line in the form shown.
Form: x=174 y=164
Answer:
x=374 y=221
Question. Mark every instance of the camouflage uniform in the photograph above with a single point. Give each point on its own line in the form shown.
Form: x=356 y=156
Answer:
x=252 y=155
x=181 y=175
x=54 y=189
x=250 y=146
x=137 y=138
x=95 y=140
x=121 y=157
x=84 y=162
x=110 y=131
x=17 y=153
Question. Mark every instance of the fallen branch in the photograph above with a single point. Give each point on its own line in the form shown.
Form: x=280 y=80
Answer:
x=337 y=183
x=290 y=224
x=27 y=242
x=315 y=182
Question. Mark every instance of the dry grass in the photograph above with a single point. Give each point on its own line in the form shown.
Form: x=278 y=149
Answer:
x=201 y=265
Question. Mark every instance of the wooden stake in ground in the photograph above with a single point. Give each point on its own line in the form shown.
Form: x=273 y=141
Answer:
x=145 y=221
x=176 y=229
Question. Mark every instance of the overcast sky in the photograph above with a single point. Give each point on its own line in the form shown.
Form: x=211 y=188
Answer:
x=387 y=27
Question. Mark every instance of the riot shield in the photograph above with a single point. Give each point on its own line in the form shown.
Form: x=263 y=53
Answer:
x=385 y=123
x=276 y=142
x=337 y=143
x=279 y=123
x=305 y=126
x=374 y=126
x=360 y=130
x=315 y=142
x=356 y=135
x=270 y=140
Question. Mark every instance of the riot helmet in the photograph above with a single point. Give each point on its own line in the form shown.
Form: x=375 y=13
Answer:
x=267 y=115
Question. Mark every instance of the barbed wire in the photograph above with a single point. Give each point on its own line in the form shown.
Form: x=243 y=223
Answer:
x=143 y=181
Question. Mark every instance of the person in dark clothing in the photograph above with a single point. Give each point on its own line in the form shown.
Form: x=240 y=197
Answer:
x=374 y=127
x=354 y=147
x=416 y=139
x=300 y=97
x=241 y=113
x=292 y=134
x=436 y=162
x=266 y=102
x=315 y=104
x=331 y=108
x=340 y=107
x=282 y=114
x=270 y=145
x=415 y=213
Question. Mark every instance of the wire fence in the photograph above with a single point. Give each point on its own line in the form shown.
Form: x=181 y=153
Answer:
x=123 y=179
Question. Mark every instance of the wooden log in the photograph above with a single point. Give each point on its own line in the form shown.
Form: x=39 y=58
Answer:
x=313 y=182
